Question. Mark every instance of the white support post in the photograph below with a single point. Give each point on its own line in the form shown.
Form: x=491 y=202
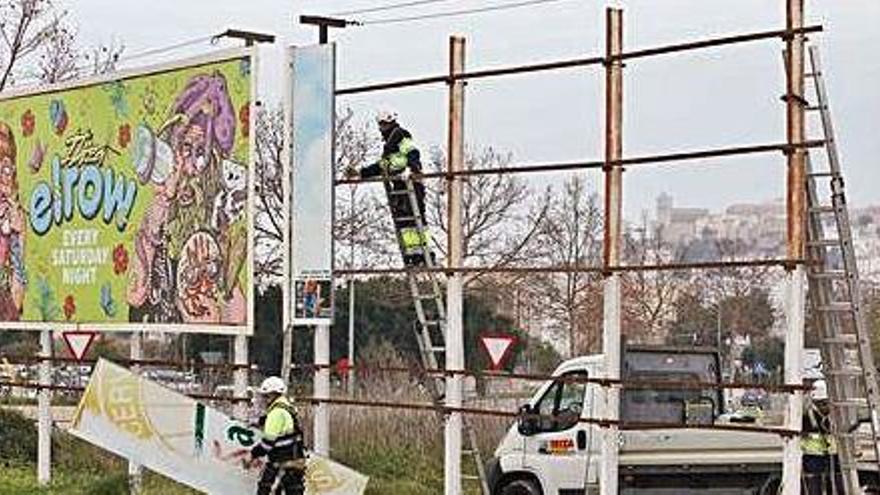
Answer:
x=241 y=375
x=796 y=217
x=322 y=390
x=286 y=218
x=455 y=282
x=794 y=346
x=135 y=470
x=608 y=476
x=44 y=412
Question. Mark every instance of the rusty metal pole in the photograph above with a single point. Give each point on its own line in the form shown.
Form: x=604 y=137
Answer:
x=613 y=240
x=796 y=216
x=455 y=282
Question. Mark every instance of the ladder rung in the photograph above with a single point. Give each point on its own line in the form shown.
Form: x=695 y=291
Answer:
x=850 y=403
x=842 y=340
x=431 y=323
x=812 y=74
x=836 y=307
x=821 y=209
x=435 y=348
x=814 y=175
x=399 y=192
x=829 y=274
x=824 y=243
x=470 y=477
x=404 y=219
x=813 y=108
x=846 y=371
x=427 y=296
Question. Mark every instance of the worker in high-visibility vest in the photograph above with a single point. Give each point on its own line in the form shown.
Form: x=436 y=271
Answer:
x=400 y=162
x=819 y=450
x=282 y=442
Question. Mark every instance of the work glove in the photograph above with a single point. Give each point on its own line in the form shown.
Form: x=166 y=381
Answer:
x=352 y=172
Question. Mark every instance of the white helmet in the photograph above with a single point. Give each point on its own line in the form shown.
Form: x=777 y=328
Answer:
x=386 y=117
x=820 y=390
x=273 y=385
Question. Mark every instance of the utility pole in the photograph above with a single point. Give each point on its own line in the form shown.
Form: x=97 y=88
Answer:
x=797 y=222
x=455 y=282
x=613 y=240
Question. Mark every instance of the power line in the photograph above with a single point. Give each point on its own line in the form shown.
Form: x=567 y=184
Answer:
x=164 y=49
x=453 y=13
x=391 y=6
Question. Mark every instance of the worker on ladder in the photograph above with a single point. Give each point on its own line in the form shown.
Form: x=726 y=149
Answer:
x=282 y=442
x=817 y=445
x=401 y=165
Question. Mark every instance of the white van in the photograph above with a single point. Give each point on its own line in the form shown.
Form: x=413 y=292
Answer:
x=558 y=454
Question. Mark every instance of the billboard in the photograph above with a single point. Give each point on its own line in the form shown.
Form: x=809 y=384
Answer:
x=127 y=199
x=184 y=440
x=312 y=111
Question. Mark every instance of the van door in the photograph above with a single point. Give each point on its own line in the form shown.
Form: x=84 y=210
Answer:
x=557 y=442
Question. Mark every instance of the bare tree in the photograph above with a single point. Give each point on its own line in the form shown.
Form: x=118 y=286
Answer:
x=40 y=44
x=27 y=26
x=269 y=236
x=356 y=221
x=501 y=216
x=650 y=294
x=570 y=236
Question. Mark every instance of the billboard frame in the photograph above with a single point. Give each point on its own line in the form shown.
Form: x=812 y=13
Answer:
x=212 y=57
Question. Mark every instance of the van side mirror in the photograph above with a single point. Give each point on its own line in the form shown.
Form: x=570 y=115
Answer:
x=527 y=422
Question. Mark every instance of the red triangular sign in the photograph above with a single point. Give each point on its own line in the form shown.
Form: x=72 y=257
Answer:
x=78 y=343
x=498 y=348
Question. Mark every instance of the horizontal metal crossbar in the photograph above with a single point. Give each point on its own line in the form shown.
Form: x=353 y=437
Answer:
x=602 y=164
x=578 y=62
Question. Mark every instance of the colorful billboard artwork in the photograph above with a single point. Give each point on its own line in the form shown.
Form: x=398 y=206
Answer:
x=184 y=440
x=312 y=114
x=126 y=199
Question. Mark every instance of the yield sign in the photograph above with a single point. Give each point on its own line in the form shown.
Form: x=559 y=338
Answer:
x=498 y=347
x=78 y=343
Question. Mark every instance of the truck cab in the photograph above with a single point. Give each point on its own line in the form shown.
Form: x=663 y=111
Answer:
x=550 y=449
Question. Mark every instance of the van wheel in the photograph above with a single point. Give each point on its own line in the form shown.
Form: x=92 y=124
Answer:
x=520 y=487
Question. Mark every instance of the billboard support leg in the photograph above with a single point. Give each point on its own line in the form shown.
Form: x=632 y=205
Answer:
x=44 y=413
x=135 y=470
x=241 y=374
x=322 y=390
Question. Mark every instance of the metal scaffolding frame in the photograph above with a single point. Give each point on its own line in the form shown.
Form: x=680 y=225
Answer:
x=794 y=148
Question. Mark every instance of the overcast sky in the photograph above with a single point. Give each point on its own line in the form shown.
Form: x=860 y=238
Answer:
x=719 y=97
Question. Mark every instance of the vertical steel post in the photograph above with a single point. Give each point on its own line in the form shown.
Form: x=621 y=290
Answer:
x=455 y=282
x=613 y=210
x=796 y=226
x=322 y=390
x=44 y=412
x=350 y=377
x=135 y=470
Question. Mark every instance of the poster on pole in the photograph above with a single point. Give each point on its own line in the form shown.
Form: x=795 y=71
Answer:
x=312 y=109
x=127 y=199
x=185 y=440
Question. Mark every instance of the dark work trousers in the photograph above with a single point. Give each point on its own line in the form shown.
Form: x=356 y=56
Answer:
x=818 y=475
x=291 y=481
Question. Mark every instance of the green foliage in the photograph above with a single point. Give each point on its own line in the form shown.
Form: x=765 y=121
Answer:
x=18 y=438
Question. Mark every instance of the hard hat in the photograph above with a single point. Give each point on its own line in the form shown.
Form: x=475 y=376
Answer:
x=386 y=117
x=820 y=390
x=273 y=385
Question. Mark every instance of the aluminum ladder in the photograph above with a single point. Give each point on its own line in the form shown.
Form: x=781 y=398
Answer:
x=833 y=278
x=430 y=331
